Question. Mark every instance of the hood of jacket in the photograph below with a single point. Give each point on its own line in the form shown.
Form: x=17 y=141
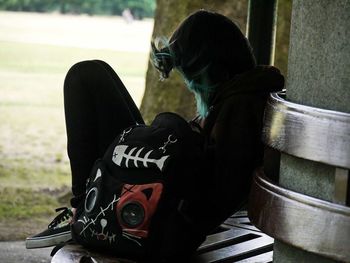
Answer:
x=261 y=79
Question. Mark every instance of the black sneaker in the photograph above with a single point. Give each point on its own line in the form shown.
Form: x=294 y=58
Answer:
x=58 y=231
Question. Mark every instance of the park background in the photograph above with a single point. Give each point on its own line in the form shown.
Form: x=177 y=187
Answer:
x=39 y=41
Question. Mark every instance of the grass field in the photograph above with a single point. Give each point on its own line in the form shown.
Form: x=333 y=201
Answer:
x=36 y=51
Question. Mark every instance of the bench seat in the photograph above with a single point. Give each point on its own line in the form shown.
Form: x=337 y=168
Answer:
x=236 y=241
x=239 y=241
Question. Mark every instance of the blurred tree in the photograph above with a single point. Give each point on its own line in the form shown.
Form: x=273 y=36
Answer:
x=171 y=94
x=140 y=8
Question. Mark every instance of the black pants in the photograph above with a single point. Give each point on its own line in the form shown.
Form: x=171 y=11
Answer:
x=97 y=108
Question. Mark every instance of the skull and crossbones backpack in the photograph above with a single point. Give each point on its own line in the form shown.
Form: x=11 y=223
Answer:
x=134 y=192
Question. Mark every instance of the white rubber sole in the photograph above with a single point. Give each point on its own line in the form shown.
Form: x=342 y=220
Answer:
x=48 y=241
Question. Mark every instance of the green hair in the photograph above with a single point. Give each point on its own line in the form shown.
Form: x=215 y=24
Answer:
x=201 y=90
x=162 y=57
x=164 y=60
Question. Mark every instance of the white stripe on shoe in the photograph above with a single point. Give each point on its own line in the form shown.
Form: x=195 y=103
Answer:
x=48 y=241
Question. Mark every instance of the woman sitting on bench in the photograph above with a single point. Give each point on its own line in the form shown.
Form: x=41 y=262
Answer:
x=218 y=66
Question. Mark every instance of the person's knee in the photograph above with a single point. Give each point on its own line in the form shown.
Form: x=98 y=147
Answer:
x=85 y=65
x=83 y=69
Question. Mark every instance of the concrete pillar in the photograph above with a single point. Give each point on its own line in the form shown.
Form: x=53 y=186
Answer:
x=318 y=76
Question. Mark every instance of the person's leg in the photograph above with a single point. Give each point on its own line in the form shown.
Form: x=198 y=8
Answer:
x=97 y=108
x=123 y=91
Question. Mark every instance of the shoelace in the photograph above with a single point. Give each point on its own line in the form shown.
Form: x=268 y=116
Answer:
x=65 y=214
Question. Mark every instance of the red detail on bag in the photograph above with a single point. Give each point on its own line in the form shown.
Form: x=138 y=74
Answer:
x=146 y=196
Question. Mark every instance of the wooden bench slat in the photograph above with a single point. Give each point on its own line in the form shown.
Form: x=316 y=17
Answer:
x=240 y=222
x=228 y=237
x=238 y=251
x=262 y=258
x=241 y=213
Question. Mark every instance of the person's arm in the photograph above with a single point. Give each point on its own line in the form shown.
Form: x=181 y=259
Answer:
x=235 y=152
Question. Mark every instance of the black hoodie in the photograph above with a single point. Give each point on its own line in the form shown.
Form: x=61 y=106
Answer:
x=233 y=149
x=233 y=143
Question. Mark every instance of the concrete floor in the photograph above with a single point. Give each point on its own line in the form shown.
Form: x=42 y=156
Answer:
x=13 y=252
